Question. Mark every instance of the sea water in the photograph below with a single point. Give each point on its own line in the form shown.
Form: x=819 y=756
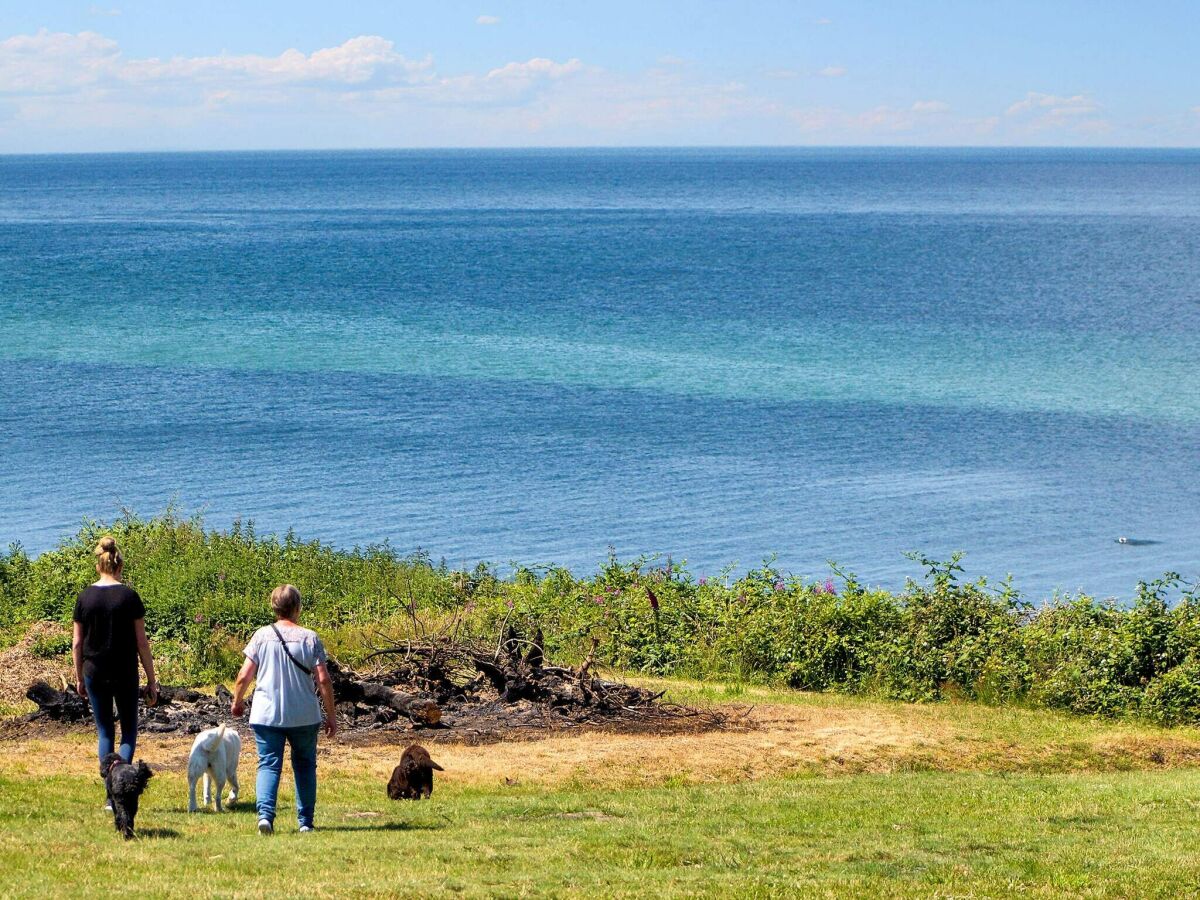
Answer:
x=534 y=356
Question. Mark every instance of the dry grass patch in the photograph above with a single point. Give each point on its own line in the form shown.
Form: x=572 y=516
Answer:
x=20 y=666
x=815 y=735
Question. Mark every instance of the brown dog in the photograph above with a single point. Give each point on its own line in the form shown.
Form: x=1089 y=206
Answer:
x=413 y=778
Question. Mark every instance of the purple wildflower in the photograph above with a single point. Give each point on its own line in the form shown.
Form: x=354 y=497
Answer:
x=598 y=600
x=653 y=599
x=829 y=588
x=779 y=585
x=197 y=618
x=508 y=603
x=221 y=576
x=741 y=598
x=703 y=582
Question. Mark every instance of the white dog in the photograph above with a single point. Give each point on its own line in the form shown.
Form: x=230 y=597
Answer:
x=215 y=756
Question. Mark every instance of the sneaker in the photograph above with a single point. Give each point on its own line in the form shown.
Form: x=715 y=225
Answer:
x=265 y=827
x=108 y=806
x=305 y=829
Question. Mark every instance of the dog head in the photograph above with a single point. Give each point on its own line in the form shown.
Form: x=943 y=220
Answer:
x=417 y=757
x=144 y=774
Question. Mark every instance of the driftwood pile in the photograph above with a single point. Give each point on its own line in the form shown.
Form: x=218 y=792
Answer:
x=468 y=690
x=485 y=690
x=178 y=708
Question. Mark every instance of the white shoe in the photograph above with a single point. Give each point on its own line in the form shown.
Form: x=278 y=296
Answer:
x=265 y=827
x=108 y=806
x=305 y=829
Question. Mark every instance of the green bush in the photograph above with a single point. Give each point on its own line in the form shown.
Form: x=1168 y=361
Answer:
x=50 y=646
x=1173 y=698
x=206 y=591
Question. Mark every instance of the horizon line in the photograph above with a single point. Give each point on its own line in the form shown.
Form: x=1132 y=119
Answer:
x=612 y=147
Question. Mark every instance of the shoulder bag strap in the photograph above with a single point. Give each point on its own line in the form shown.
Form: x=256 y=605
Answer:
x=303 y=668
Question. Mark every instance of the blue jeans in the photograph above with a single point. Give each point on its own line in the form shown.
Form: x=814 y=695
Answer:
x=102 y=692
x=270 y=741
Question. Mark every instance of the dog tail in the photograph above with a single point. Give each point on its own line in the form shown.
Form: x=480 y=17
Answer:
x=212 y=740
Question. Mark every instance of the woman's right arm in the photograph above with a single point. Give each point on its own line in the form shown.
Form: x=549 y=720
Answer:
x=244 y=677
x=77 y=656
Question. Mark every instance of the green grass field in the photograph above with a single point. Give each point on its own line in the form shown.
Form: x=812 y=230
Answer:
x=1116 y=835
x=1051 y=816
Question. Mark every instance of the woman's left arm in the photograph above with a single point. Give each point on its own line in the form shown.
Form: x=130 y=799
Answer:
x=143 y=645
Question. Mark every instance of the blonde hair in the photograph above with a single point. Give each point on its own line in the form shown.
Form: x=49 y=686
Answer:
x=285 y=600
x=109 y=560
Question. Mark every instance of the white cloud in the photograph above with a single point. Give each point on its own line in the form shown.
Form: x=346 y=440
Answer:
x=832 y=72
x=1037 y=112
x=668 y=59
x=1051 y=104
x=930 y=107
x=356 y=61
x=54 y=62
x=508 y=86
x=488 y=20
x=536 y=68
x=823 y=21
x=49 y=63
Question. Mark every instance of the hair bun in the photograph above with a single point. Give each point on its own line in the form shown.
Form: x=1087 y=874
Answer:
x=108 y=557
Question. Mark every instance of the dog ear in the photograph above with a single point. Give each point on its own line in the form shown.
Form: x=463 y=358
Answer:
x=434 y=765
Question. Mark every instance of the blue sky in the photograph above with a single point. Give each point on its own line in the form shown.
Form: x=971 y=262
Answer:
x=367 y=73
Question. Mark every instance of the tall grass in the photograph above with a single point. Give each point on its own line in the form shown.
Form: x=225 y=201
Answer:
x=940 y=637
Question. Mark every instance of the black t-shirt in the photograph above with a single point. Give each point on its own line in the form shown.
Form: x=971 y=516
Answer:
x=107 y=615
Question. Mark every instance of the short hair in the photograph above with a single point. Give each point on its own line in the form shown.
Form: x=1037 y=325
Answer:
x=285 y=600
x=108 y=558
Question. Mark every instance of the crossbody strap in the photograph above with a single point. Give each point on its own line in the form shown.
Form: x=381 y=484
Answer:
x=303 y=668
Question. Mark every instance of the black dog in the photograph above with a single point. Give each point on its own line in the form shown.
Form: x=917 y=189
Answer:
x=413 y=778
x=125 y=784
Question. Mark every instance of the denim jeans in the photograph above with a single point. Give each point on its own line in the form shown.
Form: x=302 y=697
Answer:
x=270 y=741
x=102 y=692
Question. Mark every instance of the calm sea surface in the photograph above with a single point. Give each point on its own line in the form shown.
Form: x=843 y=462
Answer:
x=531 y=356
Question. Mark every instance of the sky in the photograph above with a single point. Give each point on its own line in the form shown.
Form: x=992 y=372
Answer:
x=276 y=74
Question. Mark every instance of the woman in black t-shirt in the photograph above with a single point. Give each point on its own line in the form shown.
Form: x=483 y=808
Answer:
x=110 y=636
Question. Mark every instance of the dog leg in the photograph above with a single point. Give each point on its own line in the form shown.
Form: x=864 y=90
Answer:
x=207 y=789
x=233 y=787
x=191 y=793
x=220 y=788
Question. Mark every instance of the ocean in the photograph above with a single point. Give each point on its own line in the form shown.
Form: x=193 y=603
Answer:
x=535 y=356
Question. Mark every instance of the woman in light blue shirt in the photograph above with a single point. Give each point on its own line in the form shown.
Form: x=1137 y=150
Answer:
x=285 y=659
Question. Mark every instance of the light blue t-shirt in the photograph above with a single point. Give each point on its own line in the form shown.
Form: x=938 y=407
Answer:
x=285 y=697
